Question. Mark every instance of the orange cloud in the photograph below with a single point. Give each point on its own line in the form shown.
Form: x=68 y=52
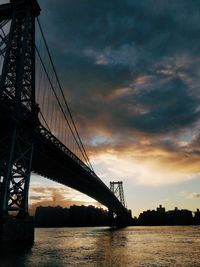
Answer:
x=56 y=196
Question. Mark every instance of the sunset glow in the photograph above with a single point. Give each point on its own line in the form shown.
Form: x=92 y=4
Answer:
x=131 y=74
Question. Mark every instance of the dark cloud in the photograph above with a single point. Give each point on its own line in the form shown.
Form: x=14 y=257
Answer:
x=87 y=79
x=166 y=107
x=130 y=68
x=160 y=107
x=157 y=28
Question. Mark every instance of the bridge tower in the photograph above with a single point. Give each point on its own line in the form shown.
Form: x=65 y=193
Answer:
x=117 y=219
x=117 y=189
x=18 y=110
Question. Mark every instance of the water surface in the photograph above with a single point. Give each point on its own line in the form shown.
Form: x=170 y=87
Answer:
x=132 y=246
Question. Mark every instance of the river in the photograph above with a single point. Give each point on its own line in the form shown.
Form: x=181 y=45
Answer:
x=102 y=246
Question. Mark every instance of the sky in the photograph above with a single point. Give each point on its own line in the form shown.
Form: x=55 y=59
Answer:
x=131 y=71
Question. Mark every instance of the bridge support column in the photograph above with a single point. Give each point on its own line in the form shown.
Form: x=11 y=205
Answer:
x=111 y=218
x=15 y=169
x=118 y=220
x=18 y=116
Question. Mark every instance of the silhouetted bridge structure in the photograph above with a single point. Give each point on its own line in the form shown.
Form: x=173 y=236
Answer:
x=38 y=133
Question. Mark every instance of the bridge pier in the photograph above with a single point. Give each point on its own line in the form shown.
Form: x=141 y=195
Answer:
x=118 y=220
x=16 y=232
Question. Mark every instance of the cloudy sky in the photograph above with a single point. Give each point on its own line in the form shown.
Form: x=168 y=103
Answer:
x=131 y=71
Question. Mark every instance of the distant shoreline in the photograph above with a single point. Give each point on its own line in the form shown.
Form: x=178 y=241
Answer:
x=96 y=226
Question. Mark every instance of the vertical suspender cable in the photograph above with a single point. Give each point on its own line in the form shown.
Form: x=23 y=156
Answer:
x=76 y=131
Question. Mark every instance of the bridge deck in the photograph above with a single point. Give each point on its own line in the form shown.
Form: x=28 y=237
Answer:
x=54 y=161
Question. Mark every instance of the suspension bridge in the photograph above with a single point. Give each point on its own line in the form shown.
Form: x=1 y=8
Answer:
x=38 y=132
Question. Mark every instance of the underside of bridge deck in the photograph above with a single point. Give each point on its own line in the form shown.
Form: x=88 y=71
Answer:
x=51 y=161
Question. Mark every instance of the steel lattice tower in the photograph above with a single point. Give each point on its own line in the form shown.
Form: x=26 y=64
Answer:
x=18 y=108
x=117 y=189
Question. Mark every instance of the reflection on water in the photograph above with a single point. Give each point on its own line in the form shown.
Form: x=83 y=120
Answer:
x=132 y=246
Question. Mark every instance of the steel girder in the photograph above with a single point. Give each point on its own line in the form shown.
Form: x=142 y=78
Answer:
x=117 y=189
